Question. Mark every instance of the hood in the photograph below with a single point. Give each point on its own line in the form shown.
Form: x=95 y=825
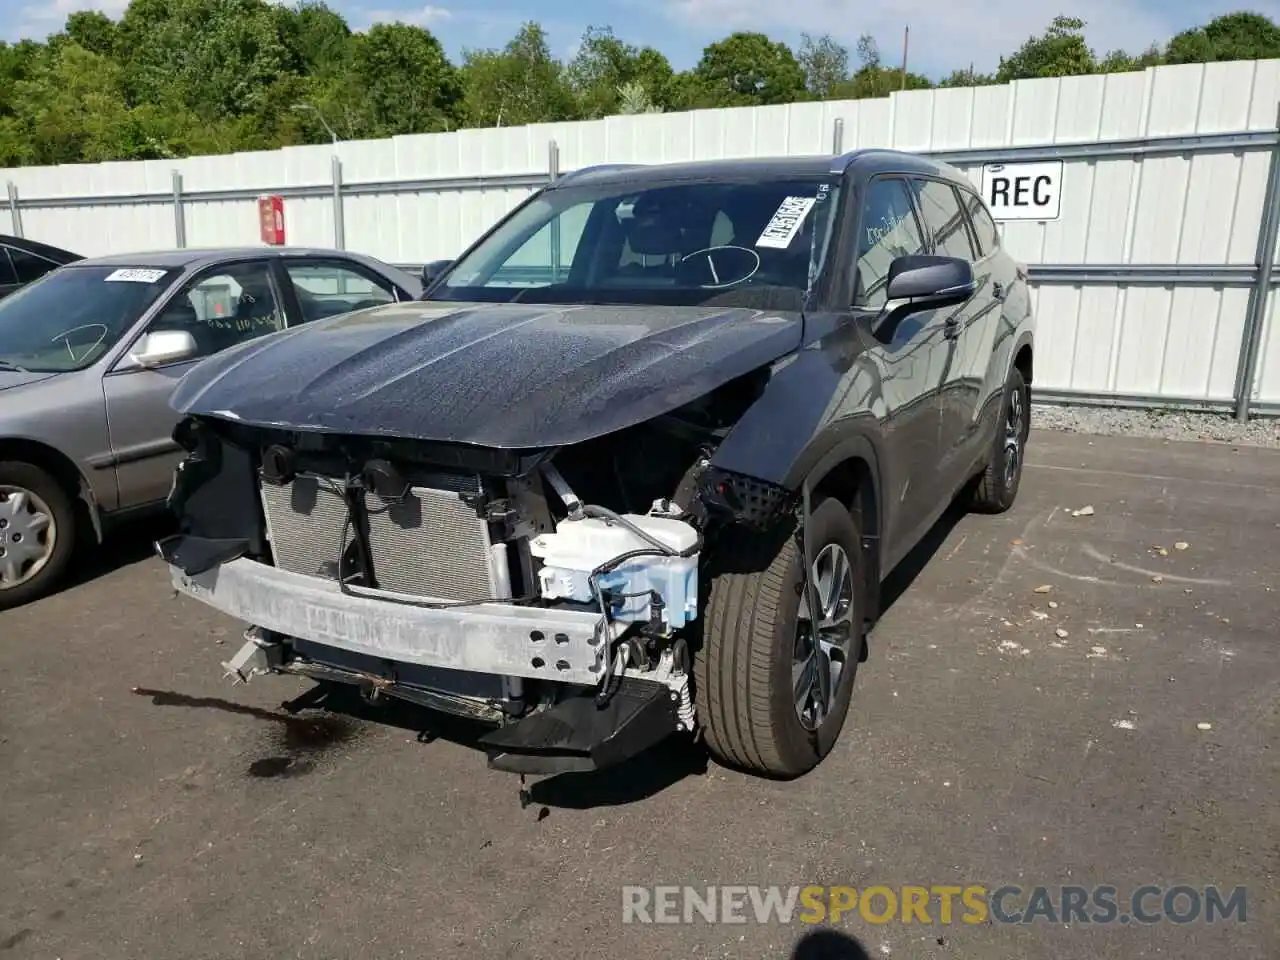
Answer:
x=496 y=375
x=18 y=378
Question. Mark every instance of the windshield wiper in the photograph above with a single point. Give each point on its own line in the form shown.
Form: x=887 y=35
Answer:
x=12 y=367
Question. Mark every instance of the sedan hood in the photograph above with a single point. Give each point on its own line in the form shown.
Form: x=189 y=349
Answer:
x=20 y=378
x=496 y=375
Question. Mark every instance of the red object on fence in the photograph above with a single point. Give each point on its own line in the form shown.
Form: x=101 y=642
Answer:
x=271 y=220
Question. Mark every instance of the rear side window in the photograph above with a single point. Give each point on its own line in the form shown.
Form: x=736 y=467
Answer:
x=943 y=218
x=888 y=230
x=984 y=227
x=28 y=266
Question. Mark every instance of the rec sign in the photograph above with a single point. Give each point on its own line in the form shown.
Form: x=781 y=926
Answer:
x=1023 y=191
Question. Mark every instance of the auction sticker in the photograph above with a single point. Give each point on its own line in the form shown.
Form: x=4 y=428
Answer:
x=134 y=275
x=786 y=223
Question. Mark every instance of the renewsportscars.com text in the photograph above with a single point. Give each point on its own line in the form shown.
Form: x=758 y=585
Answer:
x=945 y=904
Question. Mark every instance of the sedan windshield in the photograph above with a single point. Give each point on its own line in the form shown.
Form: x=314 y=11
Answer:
x=69 y=318
x=753 y=243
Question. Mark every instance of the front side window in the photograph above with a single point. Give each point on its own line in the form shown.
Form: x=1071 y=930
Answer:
x=888 y=230
x=70 y=318
x=944 y=220
x=223 y=308
x=7 y=276
x=742 y=243
x=327 y=289
x=28 y=266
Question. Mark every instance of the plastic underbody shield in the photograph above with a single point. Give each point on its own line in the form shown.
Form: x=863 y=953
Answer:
x=577 y=735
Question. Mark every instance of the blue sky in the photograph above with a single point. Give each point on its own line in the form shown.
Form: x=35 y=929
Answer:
x=945 y=34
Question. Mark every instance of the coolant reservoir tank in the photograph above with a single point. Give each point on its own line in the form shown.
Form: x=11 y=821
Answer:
x=579 y=546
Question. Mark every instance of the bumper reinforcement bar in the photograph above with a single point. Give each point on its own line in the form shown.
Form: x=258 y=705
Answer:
x=497 y=638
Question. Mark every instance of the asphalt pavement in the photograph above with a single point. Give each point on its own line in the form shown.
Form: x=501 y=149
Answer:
x=1117 y=728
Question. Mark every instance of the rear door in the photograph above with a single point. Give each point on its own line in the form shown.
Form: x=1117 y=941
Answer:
x=323 y=287
x=996 y=273
x=949 y=236
x=219 y=306
x=909 y=360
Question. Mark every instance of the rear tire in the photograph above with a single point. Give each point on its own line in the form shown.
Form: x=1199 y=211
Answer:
x=37 y=533
x=997 y=487
x=758 y=645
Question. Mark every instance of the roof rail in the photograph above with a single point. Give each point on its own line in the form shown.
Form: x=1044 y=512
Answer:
x=594 y=168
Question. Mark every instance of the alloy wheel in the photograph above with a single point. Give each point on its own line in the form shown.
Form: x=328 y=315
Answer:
x=1014 y=434
x=821 y=655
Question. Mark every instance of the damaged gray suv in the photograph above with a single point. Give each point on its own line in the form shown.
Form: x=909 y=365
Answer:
x=636 y=463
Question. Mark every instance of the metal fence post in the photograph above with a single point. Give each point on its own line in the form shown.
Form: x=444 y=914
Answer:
x=179 y=212
x=553 y=174
x=1255 y=318
x=339 y=222
x=15 y=209
x=837 y=136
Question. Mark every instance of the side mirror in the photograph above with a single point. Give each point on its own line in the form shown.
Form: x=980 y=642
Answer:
x=432 y=271
x=161 y=347
x=921 y=282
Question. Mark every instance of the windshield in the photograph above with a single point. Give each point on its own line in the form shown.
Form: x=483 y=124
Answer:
x=69 y=318
x=732 y=243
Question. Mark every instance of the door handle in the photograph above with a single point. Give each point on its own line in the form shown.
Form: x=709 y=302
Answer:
x=997 y=290
x=951 y=329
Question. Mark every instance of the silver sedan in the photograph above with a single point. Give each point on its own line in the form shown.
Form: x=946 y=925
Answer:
x=89 y=355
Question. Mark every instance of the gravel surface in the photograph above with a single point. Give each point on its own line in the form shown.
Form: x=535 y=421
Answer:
x=1164 y=425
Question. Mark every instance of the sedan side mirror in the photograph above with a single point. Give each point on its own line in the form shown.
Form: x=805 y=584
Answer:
x=432 y=271
x=921 y=282
x=162 y=347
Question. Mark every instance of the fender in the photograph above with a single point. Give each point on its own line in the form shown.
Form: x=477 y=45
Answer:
x=84 y=487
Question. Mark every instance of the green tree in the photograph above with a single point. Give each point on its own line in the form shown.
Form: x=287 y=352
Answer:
x=403 y=81
x=605 y=65
x=825 y=63
x=1236 y=36
x=1060 y=52
x=1118 y=61
x=92 y=30
x=746 y=69
x=215 y=58
x=873 y=78
x=521 y=83
x=967 y=77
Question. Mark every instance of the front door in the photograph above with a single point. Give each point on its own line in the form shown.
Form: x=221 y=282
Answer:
x=909 y=360
x=219 y=307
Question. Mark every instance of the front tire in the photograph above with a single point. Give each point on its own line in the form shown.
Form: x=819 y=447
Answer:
x=997 y=487
x=37 y=533
x=772 y=693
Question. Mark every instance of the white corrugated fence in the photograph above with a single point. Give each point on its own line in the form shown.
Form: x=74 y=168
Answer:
x=1151 y=287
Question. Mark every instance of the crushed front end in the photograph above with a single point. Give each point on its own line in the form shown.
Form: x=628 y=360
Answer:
x=477 y=582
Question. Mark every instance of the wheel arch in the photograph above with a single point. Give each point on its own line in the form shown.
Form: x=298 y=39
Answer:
x=850 y=472
x=62 y=468
x=1024 y=357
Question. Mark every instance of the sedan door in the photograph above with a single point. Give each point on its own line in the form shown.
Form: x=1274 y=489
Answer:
x=219 y=307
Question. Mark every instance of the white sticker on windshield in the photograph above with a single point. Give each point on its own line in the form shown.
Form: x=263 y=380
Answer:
x=134 y=275
x=786 y=223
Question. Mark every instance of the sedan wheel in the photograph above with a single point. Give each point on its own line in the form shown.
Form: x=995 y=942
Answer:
x=28 y=536
x=37 y=532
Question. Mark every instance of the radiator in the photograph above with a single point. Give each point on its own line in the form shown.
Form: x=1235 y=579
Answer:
x=429 y=544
